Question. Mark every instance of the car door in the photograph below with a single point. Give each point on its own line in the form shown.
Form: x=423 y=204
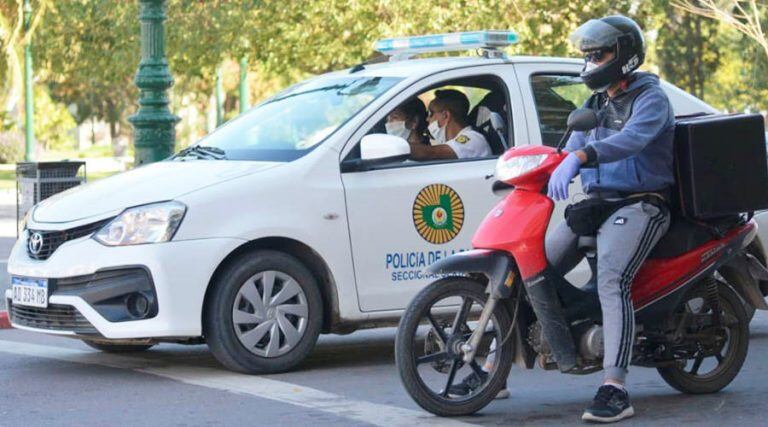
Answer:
x=406 y=216
x=547 y=106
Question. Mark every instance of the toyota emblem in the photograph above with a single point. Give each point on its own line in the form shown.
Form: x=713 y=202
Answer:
x=35 y=243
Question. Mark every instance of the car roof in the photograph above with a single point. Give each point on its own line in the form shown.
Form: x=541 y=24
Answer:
x=425 y=66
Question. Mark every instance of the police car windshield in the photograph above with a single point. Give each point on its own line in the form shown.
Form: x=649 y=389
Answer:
x=293 y=122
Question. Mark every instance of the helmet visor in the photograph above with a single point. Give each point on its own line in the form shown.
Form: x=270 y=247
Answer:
x=595 y=34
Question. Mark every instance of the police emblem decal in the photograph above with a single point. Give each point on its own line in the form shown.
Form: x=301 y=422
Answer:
x=462 y=139
x=438 y=213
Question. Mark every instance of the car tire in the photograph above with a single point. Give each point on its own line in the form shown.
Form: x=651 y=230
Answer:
x=250 y=326
x=117 y=348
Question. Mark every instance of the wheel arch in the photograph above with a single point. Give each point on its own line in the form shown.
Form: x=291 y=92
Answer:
x=308 y=256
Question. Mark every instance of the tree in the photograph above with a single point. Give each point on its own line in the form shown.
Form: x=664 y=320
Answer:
x=687 y=48
x=13 y=38
x=743 y=15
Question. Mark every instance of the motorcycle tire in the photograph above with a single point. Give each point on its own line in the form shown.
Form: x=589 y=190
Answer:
x=732 y=307
x=406 y=348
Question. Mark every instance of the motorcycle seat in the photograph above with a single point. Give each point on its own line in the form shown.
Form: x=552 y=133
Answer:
x=685 y=235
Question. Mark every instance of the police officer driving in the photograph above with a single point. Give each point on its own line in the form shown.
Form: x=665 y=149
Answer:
x=453 y=137
x=626 y=171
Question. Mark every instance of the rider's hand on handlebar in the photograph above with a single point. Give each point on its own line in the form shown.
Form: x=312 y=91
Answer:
x=562 y=176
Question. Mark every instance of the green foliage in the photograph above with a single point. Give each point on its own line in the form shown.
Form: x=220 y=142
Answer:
x=53 y=123
x=11 y=146
x=86 y=52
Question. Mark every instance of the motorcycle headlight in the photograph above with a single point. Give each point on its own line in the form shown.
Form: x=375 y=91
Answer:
x=517 y=166
x=154 y=223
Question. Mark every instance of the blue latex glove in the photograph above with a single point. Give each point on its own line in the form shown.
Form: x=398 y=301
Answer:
x=562 y=176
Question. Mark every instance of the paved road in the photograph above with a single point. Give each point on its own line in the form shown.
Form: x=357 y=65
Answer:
x=349 y=380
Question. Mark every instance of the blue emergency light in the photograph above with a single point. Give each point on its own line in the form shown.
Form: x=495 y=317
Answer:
x=408 y=46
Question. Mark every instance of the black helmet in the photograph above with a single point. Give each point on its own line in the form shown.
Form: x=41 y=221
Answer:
x=613 y=33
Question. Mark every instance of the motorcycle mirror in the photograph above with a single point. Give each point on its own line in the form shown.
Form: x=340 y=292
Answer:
x=582 y=119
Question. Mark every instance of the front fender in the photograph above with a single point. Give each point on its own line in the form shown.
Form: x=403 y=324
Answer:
x=495 y=265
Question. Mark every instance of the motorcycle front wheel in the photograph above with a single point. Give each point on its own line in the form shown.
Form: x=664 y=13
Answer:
x=428 y=348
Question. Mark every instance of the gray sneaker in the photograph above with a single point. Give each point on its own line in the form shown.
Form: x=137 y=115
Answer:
x=472 y=382
x=611 y=404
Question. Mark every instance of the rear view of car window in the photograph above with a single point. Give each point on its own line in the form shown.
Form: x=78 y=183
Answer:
x=555 y=97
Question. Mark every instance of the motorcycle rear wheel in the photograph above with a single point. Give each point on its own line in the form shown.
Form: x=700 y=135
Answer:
x=686 y=376
x=419 y=363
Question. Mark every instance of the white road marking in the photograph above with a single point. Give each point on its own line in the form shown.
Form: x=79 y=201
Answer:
x=358 y=410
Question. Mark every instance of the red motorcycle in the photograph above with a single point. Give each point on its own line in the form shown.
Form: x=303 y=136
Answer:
x=502 y=303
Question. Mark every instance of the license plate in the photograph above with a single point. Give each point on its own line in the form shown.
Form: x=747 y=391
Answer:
x=30 y=292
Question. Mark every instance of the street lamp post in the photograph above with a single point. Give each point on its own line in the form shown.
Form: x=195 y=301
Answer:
x=29 y=99
x=154 y=124
x=219 y=97
x=244 y=101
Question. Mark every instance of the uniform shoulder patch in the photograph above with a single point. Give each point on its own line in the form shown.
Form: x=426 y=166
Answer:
x=462 y=139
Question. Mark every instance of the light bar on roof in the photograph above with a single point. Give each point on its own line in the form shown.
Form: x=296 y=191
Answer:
x=407 y=46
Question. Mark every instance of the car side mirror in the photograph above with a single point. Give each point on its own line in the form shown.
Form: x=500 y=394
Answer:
x=380 y=147
x=582 y=119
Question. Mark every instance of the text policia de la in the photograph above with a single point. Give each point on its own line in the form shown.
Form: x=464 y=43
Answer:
x=407 y=266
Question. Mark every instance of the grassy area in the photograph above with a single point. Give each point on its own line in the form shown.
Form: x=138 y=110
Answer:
x=8 y=176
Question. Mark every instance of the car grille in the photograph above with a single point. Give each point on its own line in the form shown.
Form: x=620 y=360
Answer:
x=54 y=318
x=52 y=239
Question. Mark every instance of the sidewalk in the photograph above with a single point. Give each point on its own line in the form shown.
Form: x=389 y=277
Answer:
x=7 y=215
x=7 y=239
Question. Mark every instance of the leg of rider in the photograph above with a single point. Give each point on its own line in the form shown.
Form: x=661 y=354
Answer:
x=562 y=253
x=561 y=247
x=623 y=243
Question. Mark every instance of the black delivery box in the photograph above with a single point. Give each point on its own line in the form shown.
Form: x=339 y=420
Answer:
x=720 y=165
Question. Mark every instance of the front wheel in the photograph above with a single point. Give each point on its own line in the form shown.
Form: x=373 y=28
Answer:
x=264 y=314
x=427 y=348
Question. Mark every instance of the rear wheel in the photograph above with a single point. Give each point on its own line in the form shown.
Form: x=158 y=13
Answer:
x=427 y=348
x=711 y=350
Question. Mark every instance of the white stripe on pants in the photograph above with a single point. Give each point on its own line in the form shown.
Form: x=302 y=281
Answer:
x=623 y=242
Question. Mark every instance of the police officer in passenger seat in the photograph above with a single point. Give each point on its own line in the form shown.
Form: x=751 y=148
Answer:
x=453 y=137
x=628 y=159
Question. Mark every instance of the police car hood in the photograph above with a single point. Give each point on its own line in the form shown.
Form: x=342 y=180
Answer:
x=146 y=184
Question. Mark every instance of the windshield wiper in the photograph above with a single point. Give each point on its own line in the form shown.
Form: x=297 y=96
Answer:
x=202 y=152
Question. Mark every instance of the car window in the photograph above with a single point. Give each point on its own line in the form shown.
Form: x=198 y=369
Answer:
x=292 y=123
x=488 y=114
x=555 y=97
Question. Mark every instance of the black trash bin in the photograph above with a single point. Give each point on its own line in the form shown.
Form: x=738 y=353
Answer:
x=37 y=181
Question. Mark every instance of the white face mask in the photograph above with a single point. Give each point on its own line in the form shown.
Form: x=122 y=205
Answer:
x=397 y=128
x=590 y=66
x=437 y=132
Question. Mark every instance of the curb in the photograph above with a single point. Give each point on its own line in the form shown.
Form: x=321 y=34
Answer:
x=4 y=322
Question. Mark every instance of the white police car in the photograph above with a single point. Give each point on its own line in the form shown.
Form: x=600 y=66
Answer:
x=299 y=217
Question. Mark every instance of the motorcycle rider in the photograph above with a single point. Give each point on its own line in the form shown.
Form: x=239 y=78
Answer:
x=629 y=154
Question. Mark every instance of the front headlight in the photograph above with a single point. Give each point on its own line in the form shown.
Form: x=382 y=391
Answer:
x=153 y=223
x=517 y=166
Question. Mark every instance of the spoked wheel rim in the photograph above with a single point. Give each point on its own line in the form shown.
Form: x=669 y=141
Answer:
x=718 y=350
x=440 y=366
x=270 y=314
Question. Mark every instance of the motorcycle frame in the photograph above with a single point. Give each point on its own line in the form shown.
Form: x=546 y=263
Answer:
x=509 y=248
